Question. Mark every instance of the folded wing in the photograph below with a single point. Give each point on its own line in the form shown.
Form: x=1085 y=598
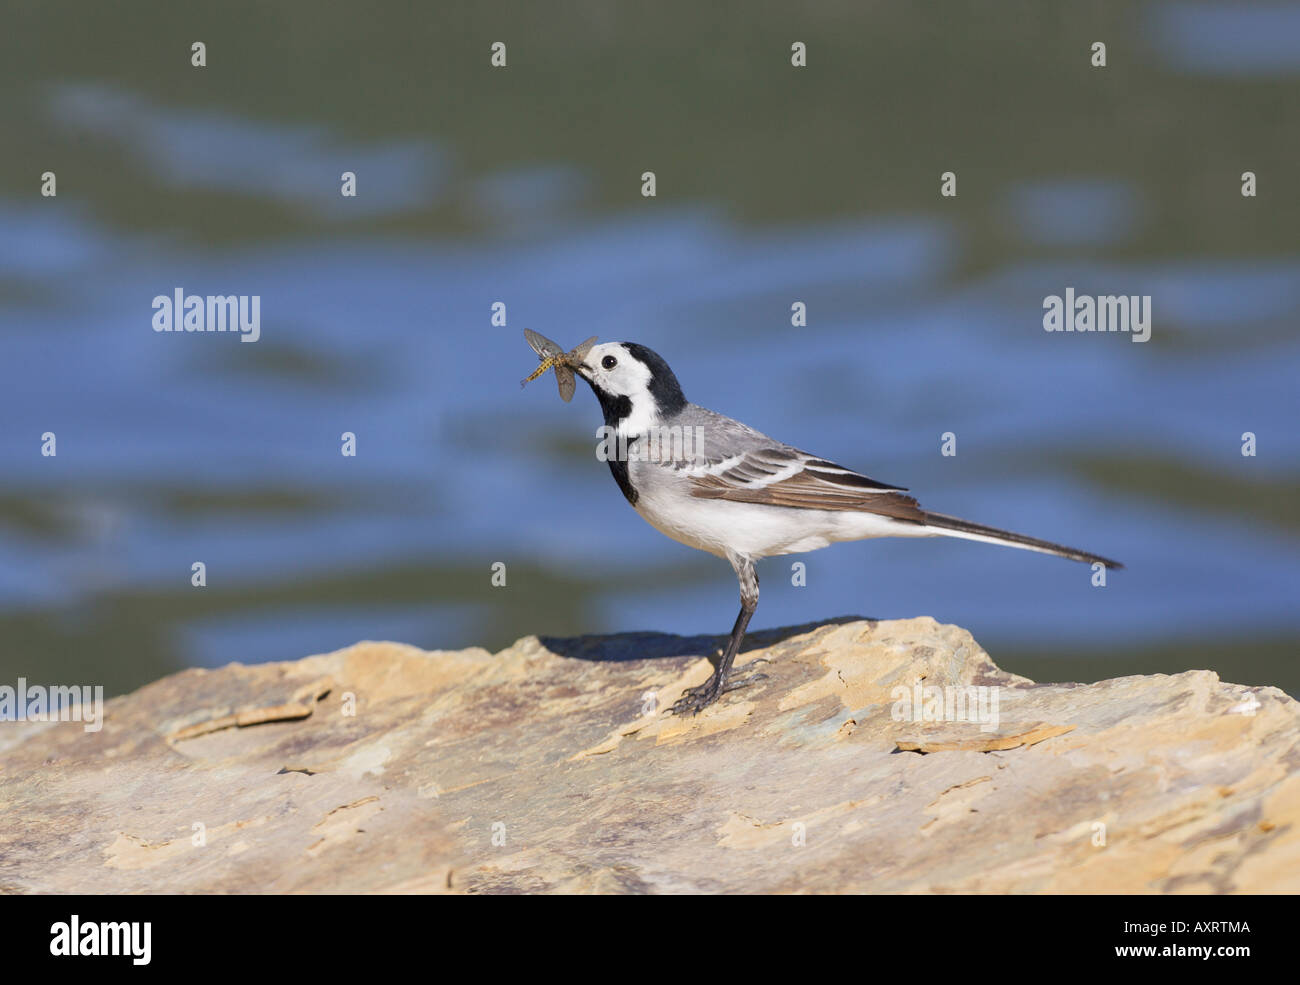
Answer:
x=788 y=477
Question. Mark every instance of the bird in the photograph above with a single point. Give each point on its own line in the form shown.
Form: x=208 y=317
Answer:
x=718 y=485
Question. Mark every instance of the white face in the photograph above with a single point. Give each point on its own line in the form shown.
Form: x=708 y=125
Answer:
x=610 y=367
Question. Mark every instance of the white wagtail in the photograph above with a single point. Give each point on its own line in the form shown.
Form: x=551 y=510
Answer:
x=717 y=485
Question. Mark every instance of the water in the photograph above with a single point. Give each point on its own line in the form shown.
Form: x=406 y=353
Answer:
x=522 y=186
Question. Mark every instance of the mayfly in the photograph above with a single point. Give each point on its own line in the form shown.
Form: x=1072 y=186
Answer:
x=553 y=357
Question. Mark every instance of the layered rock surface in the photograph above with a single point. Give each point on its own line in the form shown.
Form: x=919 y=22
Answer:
x=553 y=767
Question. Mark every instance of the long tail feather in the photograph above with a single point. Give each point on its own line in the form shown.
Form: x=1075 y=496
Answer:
x=952 y=526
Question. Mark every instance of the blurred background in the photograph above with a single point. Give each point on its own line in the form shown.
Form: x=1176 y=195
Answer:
x=522 y=185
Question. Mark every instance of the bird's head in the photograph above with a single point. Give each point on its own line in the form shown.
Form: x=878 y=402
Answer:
x=635 y=387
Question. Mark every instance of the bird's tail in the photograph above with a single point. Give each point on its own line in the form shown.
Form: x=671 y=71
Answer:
x=951 y=526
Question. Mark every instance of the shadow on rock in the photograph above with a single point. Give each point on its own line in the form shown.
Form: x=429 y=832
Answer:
x=619 y=647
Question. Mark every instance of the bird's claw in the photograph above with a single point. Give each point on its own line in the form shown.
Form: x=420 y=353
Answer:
x=695 y=699
x=735 y=683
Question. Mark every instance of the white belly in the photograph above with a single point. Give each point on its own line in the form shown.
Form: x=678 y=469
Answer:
x=723 y=527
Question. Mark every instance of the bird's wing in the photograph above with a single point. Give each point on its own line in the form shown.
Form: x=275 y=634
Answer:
x=784 y=476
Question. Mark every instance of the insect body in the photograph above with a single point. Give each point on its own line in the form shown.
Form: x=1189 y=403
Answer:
x=553 y=357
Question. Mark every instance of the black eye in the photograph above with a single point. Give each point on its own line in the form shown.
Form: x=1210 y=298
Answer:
x=609 y=362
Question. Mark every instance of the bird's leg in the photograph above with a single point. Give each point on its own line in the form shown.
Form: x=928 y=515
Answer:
x=695 y=699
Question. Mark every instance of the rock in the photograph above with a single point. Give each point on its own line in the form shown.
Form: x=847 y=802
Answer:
x=547 y=768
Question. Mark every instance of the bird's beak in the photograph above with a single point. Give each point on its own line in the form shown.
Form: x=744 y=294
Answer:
x=580 y=367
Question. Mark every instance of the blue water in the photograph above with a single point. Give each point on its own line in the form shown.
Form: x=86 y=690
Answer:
x=912 y=332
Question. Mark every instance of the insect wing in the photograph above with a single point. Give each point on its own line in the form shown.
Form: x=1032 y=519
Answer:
x=543 y=346
x=579 y=352
x=564 y=380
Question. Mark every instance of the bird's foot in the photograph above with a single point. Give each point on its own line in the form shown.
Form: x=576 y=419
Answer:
x=696 y=699
x=735 y=683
